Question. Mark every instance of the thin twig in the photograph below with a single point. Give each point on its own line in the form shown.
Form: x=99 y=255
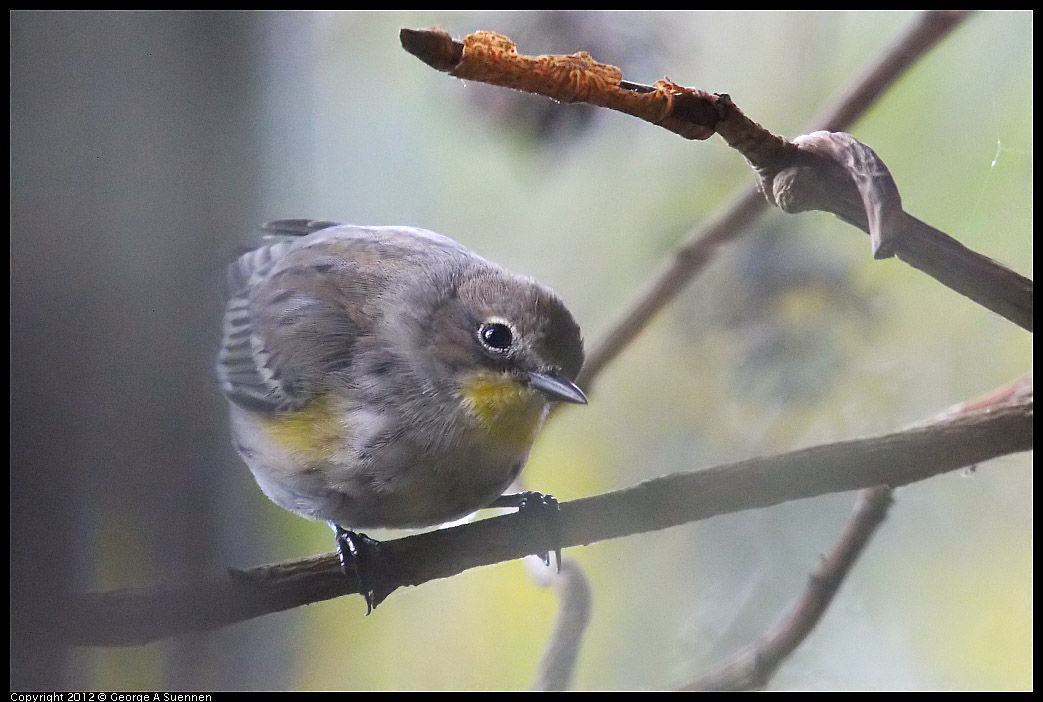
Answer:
x=137 y=616
x=558 y=665
x=753 y=666
x=702 y=243
x=924 y=32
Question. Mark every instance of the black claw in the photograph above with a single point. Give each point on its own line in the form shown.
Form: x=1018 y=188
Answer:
x=359 y=560
x=546 y=509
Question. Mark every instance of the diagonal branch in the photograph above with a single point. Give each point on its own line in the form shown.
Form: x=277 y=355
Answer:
x=834 y=172
x=695 y=114
x=137 y=616
x=753 y=666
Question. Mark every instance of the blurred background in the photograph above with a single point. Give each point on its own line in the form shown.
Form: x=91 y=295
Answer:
x=147 y=146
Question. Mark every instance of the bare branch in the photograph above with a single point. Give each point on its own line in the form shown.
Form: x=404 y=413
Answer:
x=137 y=616
x=558 y=664
x=696 y=114
x=924 y=32
x=491 y=58
x=703 y=242
x=753 y=666
x=834 y=172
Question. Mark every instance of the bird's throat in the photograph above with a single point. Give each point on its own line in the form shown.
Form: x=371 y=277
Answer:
x=509 y=411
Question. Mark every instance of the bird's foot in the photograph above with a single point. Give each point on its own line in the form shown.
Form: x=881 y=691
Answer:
x=542 y=507
x=360 y=561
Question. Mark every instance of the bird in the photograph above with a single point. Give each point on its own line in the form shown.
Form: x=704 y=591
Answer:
x=388 y=377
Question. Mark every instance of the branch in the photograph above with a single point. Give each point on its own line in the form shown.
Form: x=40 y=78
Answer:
x=137 y=616
x=696 y=114
x=558 y=664
x=834 y=172
x=753 y=666
x=921 y=35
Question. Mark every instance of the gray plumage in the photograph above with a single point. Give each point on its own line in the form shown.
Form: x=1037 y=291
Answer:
x=373 y=335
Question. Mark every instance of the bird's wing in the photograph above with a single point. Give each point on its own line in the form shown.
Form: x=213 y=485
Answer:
x=299 y=304
x=264 y=364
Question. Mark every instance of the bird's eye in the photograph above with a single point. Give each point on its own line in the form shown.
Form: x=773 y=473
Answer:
x=496 y=336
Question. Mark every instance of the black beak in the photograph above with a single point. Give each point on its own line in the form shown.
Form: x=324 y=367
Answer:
x=557 y=387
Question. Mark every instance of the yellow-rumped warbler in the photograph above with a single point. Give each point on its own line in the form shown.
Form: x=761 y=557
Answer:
x=388 y=376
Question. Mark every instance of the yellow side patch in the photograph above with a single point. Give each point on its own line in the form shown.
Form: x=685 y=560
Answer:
x=509 y=411
x=312 y=433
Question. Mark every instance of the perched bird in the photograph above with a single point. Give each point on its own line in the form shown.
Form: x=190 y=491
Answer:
x=388 y=376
